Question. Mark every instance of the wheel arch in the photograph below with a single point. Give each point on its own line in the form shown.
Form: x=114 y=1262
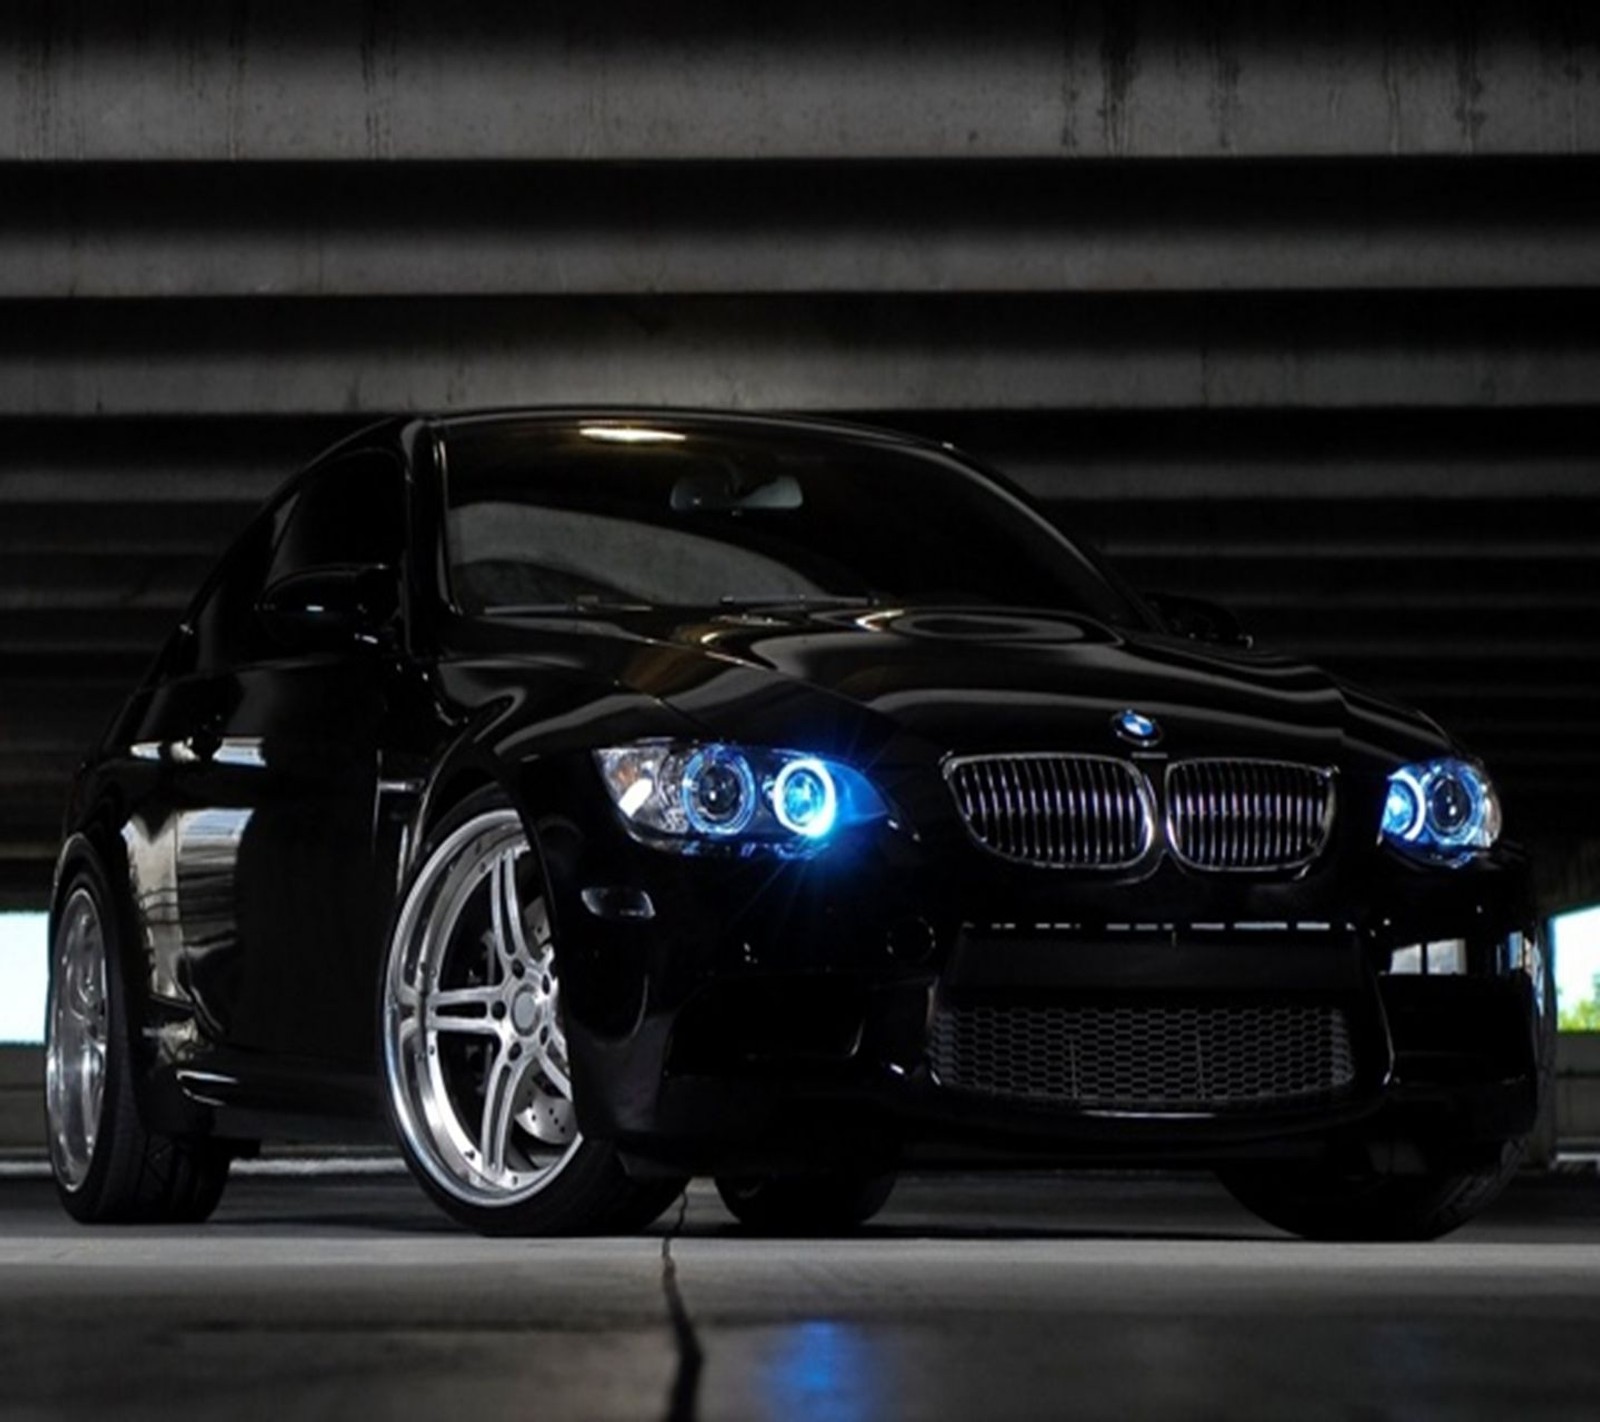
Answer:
x=98 y=845
x=470 y=767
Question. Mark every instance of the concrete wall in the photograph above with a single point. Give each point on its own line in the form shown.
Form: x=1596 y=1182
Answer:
x=829 y=80
x=22 y=1100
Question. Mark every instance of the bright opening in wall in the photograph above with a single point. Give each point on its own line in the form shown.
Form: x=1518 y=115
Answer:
x=24 y=962
x=1575 y=941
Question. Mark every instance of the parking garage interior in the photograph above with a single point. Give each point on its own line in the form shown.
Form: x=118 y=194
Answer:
x=1296 y=309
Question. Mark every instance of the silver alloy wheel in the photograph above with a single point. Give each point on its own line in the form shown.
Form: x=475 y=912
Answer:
x=75 y=1058
x=475 y=1057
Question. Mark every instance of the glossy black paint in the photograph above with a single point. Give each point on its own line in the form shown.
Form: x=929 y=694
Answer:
x=261 y=814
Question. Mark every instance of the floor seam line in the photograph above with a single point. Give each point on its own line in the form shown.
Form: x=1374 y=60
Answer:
x=683 y=1398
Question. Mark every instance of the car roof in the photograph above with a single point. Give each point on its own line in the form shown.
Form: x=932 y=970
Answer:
x=777 y=424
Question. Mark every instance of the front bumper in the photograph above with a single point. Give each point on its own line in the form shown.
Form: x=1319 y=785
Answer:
x=777 y=1016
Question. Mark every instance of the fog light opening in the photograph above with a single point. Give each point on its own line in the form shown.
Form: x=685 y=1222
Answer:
x=1443 y=957
x=618 y=901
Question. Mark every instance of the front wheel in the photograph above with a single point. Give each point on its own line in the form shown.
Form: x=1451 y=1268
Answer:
x=1359 y=1203
x=804 y=1204
x=474 y=1052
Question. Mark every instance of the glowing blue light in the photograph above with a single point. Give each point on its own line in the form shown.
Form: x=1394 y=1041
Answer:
x=1444 y=809
x=719 y=792
x=804 y=798
x=1402 y=810
x=823 y=1369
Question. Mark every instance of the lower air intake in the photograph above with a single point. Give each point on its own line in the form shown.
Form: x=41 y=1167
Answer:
x=1146 y=1059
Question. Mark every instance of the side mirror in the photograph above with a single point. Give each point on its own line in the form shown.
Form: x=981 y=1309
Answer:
x=322 y=609
x=1199 y=620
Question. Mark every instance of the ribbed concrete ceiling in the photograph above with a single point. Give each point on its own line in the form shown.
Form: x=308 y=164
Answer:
x=1302 y=317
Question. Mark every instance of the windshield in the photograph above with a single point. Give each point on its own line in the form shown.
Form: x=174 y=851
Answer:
x=672 y=513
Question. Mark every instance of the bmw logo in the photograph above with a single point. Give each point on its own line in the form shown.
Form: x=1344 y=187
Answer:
x=1136 y=727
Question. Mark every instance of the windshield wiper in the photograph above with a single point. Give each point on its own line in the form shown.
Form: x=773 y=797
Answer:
x=599 y=604
x=801 y=600
x=556 y=609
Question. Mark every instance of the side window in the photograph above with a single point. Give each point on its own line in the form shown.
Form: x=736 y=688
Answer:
x=350 y=512
x=225 y=624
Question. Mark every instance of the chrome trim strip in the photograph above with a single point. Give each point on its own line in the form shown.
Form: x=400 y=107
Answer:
x=401 y=787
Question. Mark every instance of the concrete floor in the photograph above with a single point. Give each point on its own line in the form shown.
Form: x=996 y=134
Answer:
x=1044 y=1296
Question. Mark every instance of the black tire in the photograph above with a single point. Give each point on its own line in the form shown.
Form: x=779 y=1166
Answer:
x=527 y=1185
x=831 y=1203
x=125 y=1172
x=597 y=1197
x=1362 y=1204
x=1359 y=1203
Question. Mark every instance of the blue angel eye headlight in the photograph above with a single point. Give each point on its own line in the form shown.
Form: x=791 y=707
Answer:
x=1442 y=810
x=1403 y=809
x=697 y=797
x=719 y=792
x=804 y=798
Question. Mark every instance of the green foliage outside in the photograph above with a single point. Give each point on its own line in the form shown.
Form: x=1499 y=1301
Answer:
x=1582 y=1016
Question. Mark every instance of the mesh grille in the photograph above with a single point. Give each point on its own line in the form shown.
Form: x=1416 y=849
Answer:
x=1248 y=814
x=1058 y=811
x=1146 y=1058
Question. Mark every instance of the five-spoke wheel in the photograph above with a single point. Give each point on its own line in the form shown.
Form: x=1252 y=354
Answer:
x=474 y=1052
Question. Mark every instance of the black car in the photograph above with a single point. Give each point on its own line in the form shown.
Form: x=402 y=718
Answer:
x=601 y=798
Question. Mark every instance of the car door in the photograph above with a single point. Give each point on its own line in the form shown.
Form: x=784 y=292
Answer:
x=277 y=768
x=188 y=810
x=300 y=746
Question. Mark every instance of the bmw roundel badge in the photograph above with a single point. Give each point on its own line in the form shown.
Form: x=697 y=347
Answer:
x=1136 y=727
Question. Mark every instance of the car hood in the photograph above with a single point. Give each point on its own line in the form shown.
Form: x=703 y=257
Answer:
x=958 y=679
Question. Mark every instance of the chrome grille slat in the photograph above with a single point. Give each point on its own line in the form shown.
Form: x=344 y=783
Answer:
x=1055 y=811
x=1058 y=805
x=1248 y=815
x=1039 y=824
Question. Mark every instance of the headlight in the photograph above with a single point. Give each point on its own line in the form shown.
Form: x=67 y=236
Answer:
x=693 y=797
x=1443 y=810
